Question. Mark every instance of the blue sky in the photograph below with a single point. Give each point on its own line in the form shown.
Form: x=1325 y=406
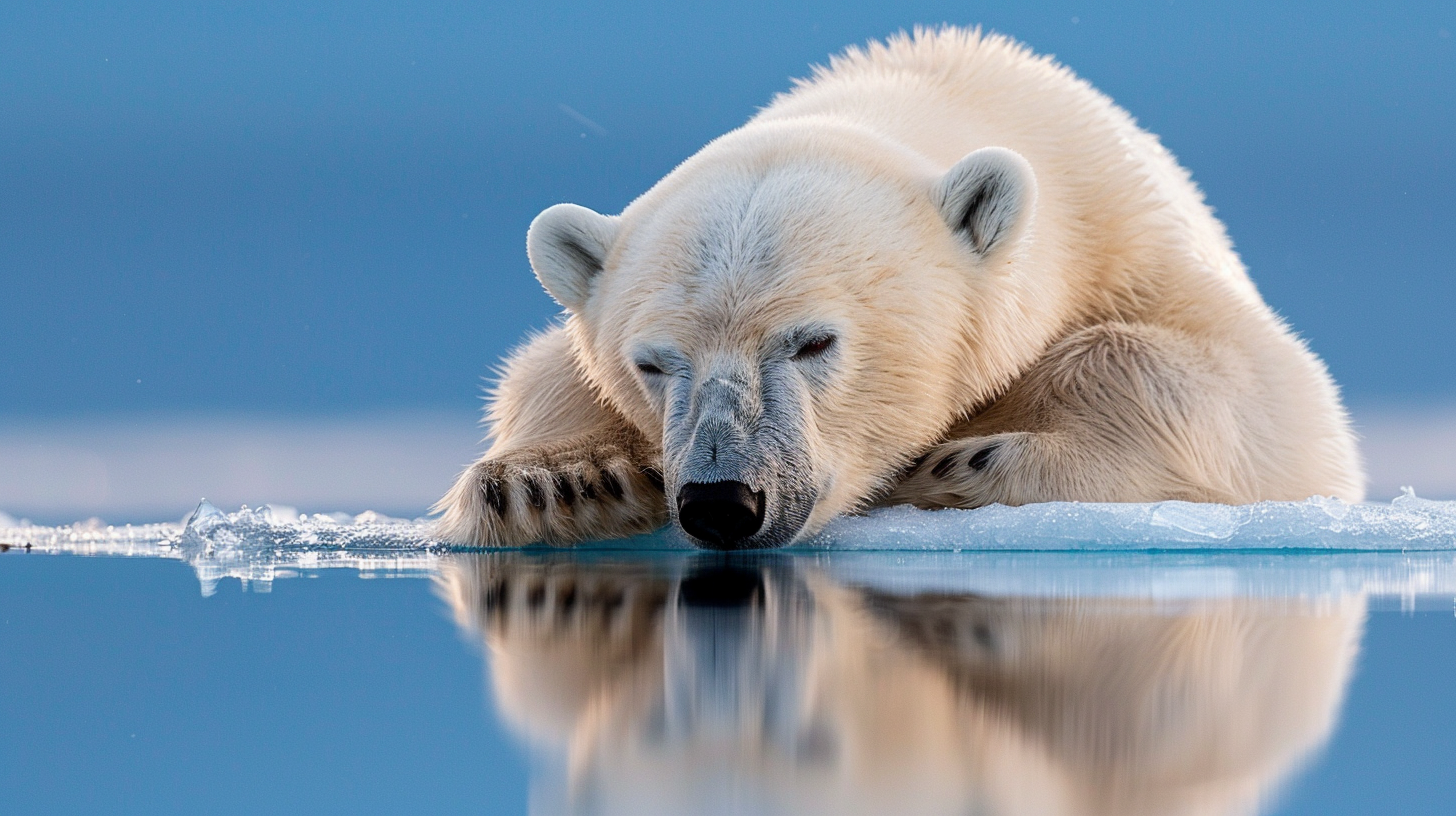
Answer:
x=310 y=208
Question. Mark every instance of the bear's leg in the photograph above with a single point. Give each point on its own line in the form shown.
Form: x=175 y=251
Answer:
x=1115 y=413
x=561 y=467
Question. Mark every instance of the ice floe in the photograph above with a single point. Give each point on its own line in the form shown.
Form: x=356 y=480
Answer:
x=1058 y=546
x=1319 y=523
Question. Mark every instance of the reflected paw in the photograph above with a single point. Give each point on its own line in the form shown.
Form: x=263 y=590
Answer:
x=560 y=602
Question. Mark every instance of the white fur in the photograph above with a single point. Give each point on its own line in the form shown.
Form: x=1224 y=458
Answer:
x=1094 y=336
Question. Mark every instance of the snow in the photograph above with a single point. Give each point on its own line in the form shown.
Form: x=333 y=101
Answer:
x=1172 y=548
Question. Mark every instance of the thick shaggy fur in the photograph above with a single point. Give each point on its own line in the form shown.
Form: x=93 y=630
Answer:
x=1028 y=300
x=820 y=698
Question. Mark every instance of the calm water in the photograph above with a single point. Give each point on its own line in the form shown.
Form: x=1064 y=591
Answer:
x=681 y=682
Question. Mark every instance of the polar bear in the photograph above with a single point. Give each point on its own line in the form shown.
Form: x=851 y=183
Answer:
x=942 y=271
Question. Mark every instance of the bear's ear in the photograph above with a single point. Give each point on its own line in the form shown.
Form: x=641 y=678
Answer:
x=568 y=246
x=987 y=197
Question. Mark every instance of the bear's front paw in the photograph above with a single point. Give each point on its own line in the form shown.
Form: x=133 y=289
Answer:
x=972 y=472
x=554 y=498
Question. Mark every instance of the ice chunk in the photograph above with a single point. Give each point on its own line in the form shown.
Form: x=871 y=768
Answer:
x=204 y=513
x=282 y=513
x=253 y=545
x=1213 y=522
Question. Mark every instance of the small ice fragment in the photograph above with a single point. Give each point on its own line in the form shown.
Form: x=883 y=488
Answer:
x=1333 y=507
x=280 y=513
x=204 y=512
x=372 y=517
x=1205 y=520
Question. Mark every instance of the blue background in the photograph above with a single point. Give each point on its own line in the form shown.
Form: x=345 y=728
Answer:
x=298 y=207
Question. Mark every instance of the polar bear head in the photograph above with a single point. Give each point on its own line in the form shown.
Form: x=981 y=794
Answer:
x=795 y=312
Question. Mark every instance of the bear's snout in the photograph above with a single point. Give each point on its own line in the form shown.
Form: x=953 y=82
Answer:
x=720 y=514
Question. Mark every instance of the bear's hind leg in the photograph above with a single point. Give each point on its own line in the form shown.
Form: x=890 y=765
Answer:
x=1114 y=413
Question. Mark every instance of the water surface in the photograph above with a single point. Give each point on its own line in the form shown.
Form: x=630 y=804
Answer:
x=672 y=681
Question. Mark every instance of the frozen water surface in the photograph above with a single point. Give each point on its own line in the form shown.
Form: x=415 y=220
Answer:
x=1278 y=658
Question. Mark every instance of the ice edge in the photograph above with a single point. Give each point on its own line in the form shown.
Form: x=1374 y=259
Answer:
x=259 y=545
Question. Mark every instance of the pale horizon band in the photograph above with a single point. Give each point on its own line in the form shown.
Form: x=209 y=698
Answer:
x=156 y=468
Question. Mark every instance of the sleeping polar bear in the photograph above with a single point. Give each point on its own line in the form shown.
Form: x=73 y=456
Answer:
x=942 y=271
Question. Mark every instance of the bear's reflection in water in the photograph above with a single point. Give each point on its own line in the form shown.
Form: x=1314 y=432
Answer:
x=766 y=687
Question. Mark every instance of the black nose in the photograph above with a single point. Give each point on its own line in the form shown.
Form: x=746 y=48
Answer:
x=720 y=514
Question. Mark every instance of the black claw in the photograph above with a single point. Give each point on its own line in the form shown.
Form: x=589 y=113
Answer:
x=942 y=466
x=945 y=632
x=612 y=602
x=918 y=463
x=983 y=636
x=655 y=476
x=588 y=490
x=495 y=595
x=611 y=485
x=534 y=495
x=536 y=595
x=564 y=491
x=495 y=497
x=981 y=459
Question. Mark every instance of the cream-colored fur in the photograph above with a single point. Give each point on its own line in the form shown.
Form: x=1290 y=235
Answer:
x=1076 y=327
x=813 y=697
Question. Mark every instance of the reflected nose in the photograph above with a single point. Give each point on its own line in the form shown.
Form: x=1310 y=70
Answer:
x=720 y=514
x=721 y=588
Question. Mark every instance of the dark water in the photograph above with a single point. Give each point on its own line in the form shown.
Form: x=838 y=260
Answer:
x=678 y=683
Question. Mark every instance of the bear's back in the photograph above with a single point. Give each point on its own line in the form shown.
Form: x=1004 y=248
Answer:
x=1111 y=195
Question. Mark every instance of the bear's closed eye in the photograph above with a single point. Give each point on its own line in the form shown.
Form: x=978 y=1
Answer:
x=814 y=347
